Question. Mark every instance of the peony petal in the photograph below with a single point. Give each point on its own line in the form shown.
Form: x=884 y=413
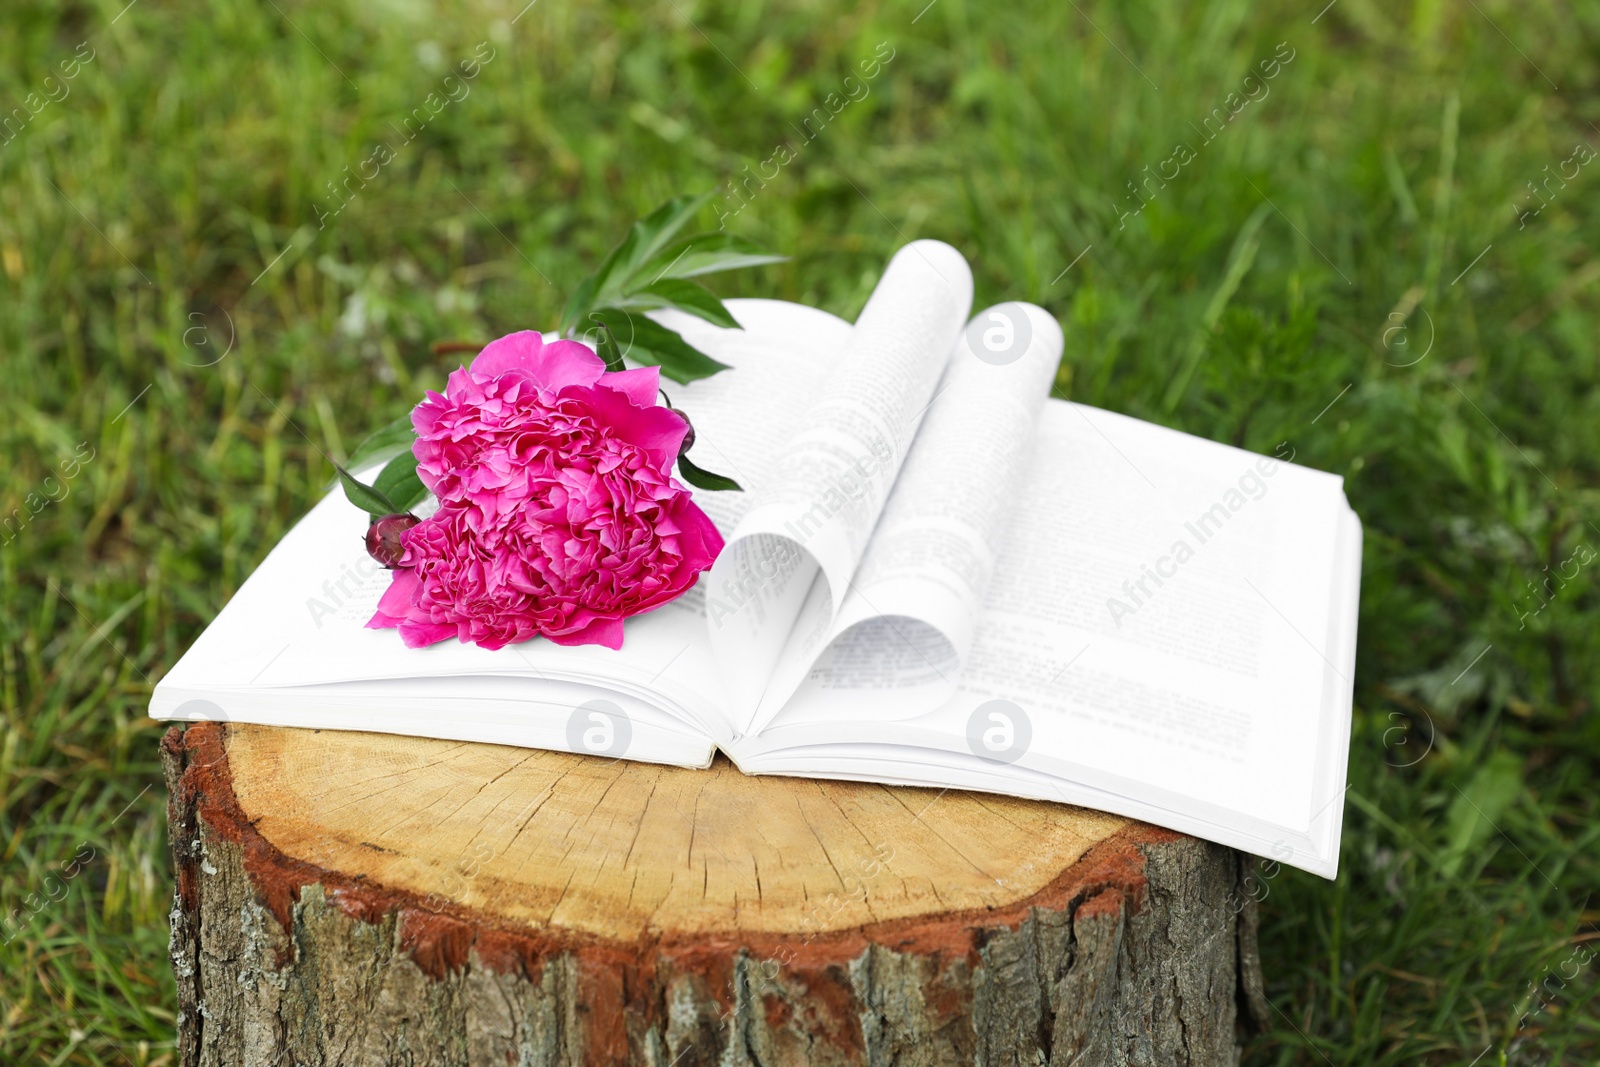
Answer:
x=564 y=363
x=657 y=430
x=607 y=632
x=514 y=351
x=701 y=540
x=641 y=385
x=548 y=366
x=699 y=543
x=399 y=599
x=423 y=634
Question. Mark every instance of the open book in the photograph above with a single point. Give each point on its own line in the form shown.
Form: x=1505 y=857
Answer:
x=937 y=576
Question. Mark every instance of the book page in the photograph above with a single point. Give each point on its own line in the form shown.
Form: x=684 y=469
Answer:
x=744 y=418
x=540 y=713
x=909 y=616
x=1156 y=620
x=788 y=564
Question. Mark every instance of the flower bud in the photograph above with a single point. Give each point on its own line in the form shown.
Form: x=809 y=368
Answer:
x=384 y=543
x=688 y=437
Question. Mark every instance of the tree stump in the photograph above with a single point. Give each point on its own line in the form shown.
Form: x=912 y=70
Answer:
x=351 y=898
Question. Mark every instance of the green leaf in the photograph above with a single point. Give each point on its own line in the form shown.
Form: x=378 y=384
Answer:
x=633 y=272
x=365 y=497
x=706 y=253
x=618 y=273
x=606 y=346
x=661 y=226
x=701 y=478
x=647 y=270
x=683 y=296
x=399 y=482
x=397 y=434
x=649 y=342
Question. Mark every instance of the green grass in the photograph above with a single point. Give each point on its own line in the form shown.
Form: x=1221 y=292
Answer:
x=143 y=215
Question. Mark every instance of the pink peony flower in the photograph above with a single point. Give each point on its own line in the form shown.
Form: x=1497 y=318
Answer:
x=558 y=511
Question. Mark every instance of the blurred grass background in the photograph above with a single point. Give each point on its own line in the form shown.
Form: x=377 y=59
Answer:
x=1341 y=271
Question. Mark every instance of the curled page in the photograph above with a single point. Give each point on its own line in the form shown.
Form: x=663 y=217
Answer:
x=789 y=562
x=910 y=614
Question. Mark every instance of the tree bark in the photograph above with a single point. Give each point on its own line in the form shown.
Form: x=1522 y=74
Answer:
x=364 y=899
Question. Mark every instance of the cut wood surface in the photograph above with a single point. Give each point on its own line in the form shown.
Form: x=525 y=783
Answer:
x=351 y=898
